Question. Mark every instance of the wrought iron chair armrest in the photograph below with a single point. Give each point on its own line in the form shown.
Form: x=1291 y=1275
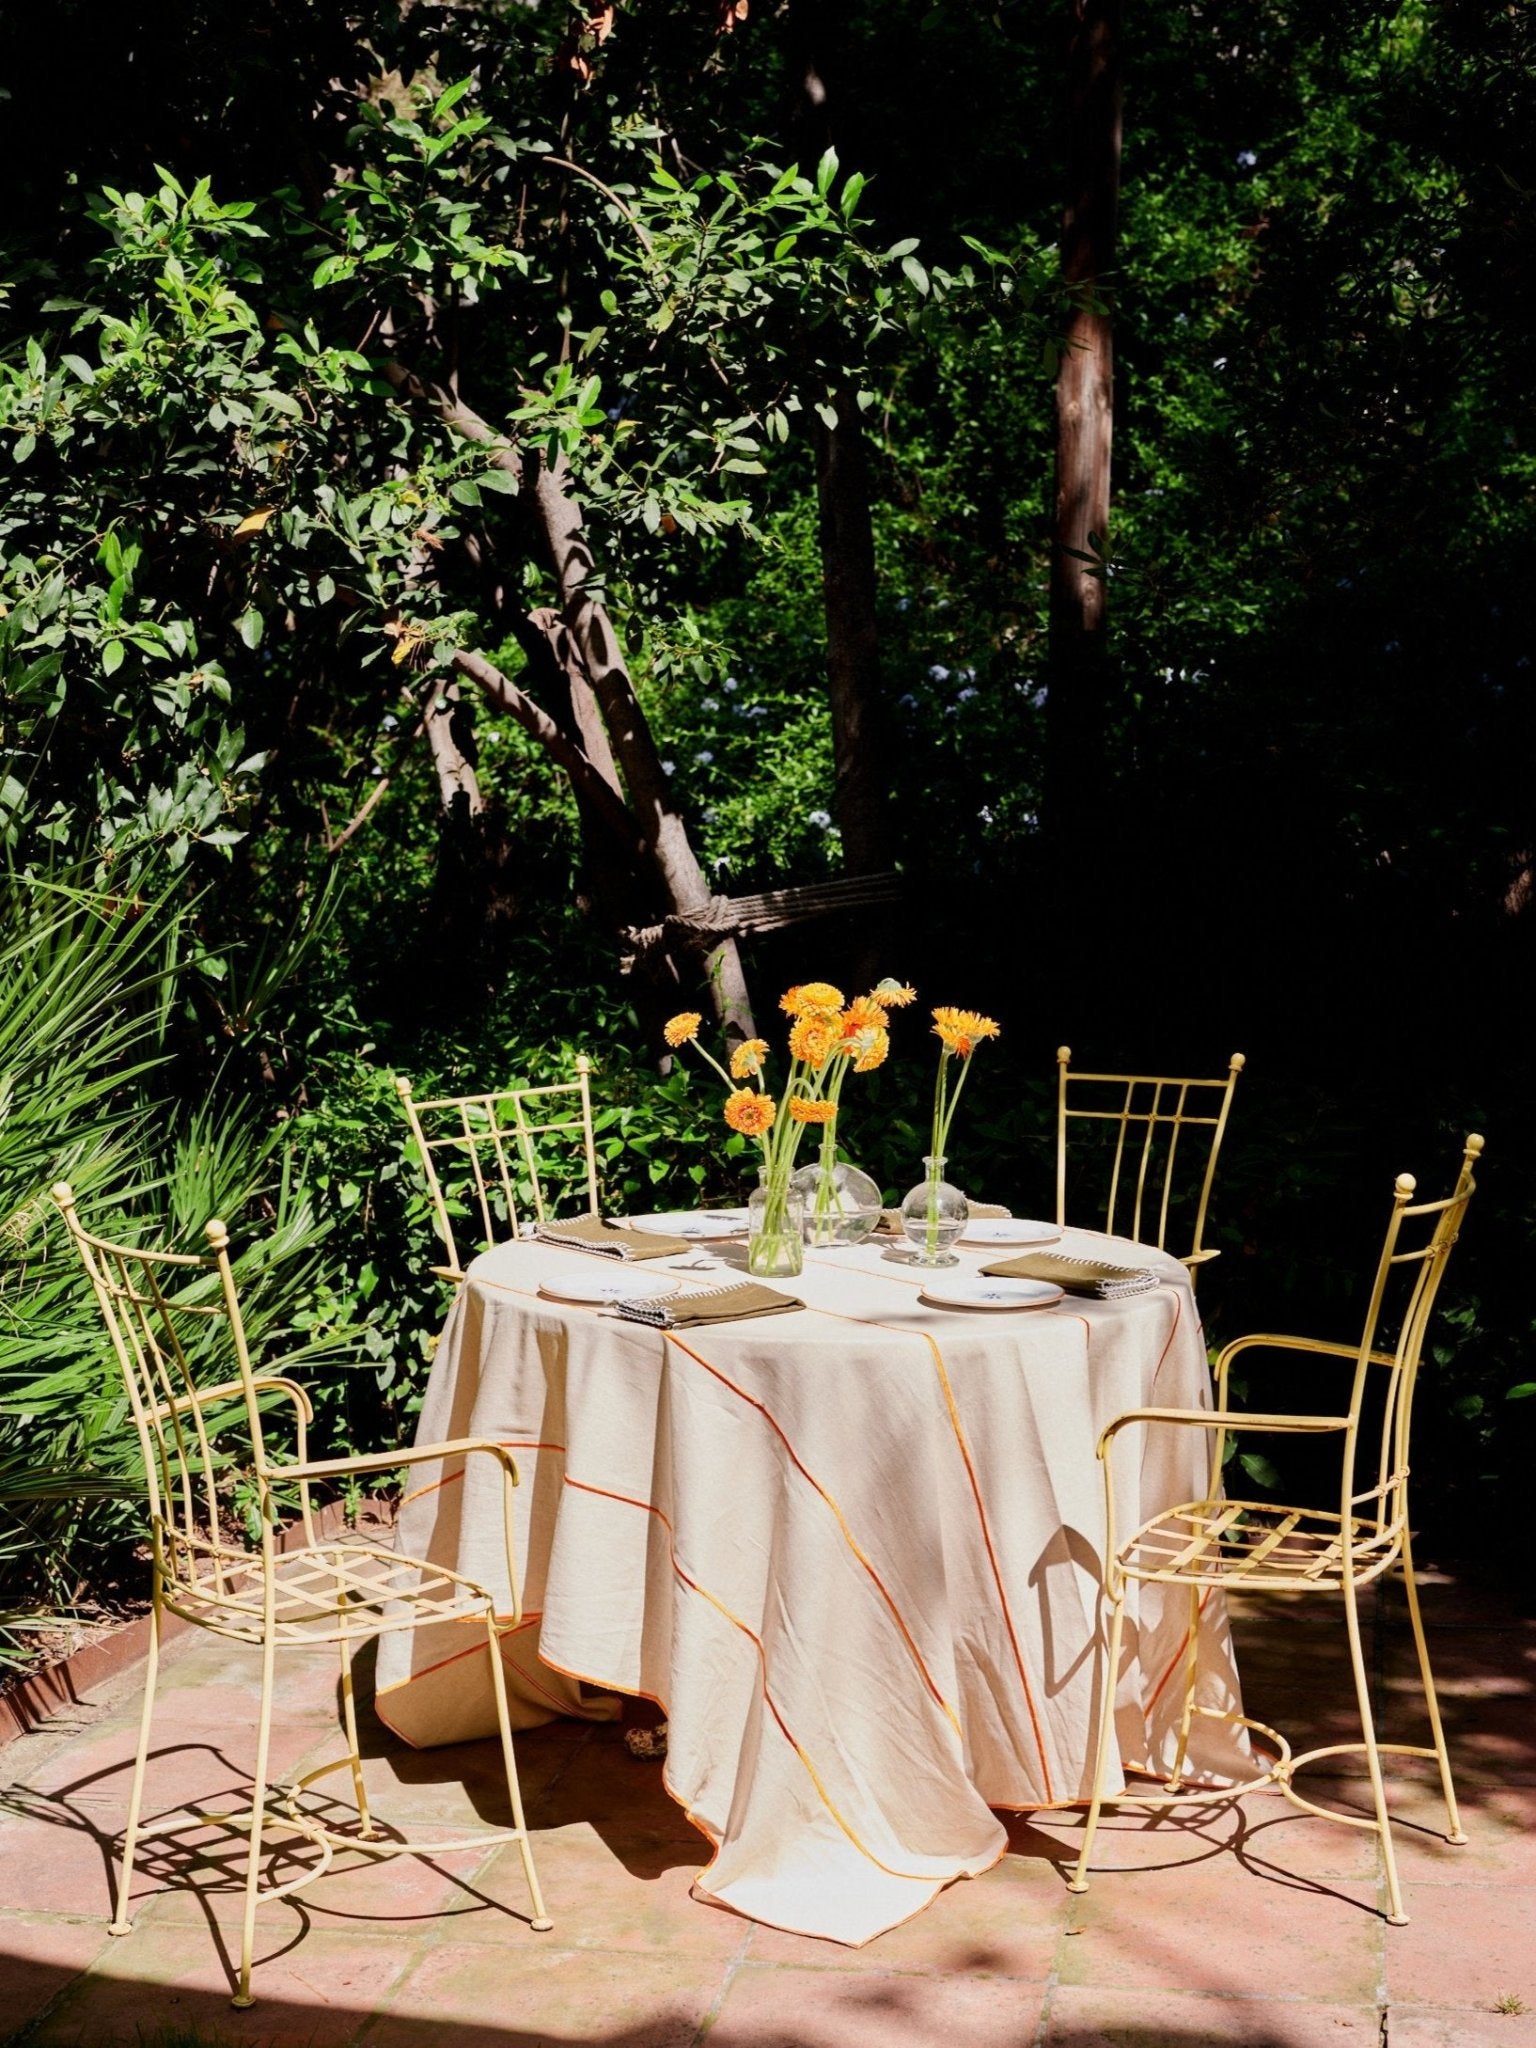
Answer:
x=1269 y=1341
x=386 y=1461
x=1220 y=1418
x=233 y=1390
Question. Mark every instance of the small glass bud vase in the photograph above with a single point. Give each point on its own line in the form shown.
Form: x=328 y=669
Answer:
x=933 y=1216
x=775 y=1227
x=842 y=1204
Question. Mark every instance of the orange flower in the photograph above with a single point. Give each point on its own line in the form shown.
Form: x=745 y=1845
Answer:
x=869 y=1048
x=805 y=1111
x=814 y=995
x=678 y=1030
x=963 y=1030
x=748 y=1058
x=892 y=994
x=863 y=1014
x=813 y=1039
x=748 y=1111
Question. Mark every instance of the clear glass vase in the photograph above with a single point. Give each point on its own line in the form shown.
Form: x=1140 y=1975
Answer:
x=775 y=1227
x=842 y=1205
x=933 y=1216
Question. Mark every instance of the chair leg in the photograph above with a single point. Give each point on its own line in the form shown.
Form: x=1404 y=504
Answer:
x=1191 y=1673
x=349 y=1718
x=1396 y=1917
x=541 y=1920
x=1079 y=1881
x=242 y=1997
x=121 y=1924
x=1442 y=1754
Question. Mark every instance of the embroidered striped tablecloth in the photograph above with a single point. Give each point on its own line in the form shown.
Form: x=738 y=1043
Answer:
x=854 y=1552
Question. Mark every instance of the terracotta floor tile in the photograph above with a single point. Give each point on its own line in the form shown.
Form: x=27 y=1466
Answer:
x=38 y=1958
x=769 y=2006
x=314 y=1993
x=1158 y=1930
x=1424 y=2027
x=1082 y=2018
x=1465 y=1946
x=527 y=1994
x=460 y=1786
x=197 y=1761
x=1005 y=1923
x=60 y=1860
x=604 y=1785
x=629 y=1892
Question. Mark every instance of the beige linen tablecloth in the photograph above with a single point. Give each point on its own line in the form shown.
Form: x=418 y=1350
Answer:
x=854 y=1551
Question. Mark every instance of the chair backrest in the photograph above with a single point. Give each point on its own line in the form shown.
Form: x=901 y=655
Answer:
x=1147 y=1115
x=170 y=1317
x=1410 y=1277
x=483 y=1164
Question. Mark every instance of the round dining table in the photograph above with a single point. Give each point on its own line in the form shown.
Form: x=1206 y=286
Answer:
x=854 y=1551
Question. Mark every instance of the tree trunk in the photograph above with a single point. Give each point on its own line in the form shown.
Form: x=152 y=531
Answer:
x=474 y=899
x=597 y=645
x=1084 y=426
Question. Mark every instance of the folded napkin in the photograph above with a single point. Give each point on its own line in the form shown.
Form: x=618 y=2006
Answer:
x=1078 y=1276
x=732 y=1304
x=612 y=1240
x=890 y=1224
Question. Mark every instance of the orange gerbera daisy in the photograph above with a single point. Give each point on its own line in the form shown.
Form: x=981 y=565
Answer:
x=679 y=1029
x=963 y=1030
x=869 y=1048
x=892 y=994
x=813 y=995
x=750 y=1112
x=748 y=1058
x=813 y=1038
x=863 y=1014
x=805 y=1111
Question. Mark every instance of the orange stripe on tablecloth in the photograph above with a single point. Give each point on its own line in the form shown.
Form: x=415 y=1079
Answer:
x=649 y=1508
x=848 y=1536
x=508 y=1443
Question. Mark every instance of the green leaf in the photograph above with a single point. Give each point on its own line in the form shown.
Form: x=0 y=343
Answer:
x=501 y=481
x=915 y=274
x=902 y=248
x=1258 y=1468
x=112 y=657
x=463 y=492
x=851 y=191
x=22 y=447
x=1523 y=1392
x=826 y=171
x=249 y=627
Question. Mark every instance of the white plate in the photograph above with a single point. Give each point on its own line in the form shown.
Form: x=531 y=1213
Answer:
x=700 y=1226
x=623 y=1282
x=971 y=1290
x=1009 y=1230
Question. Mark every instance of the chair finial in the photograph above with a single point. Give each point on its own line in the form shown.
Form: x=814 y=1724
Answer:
x=583 y=1064
x=402 y=1088
x=217 y=1233
x=1406 y=1184
x=1238 y=1061
x=1474 y=1144
x=64 y=1194
x=1063 y=1054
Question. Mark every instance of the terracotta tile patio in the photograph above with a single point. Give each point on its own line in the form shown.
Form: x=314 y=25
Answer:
x=1256 y=1927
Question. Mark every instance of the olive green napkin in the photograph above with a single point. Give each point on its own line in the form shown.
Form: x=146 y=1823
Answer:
x=1092 y=1277
x=731 y=1304
x=612 y=1240
x=890 y=1224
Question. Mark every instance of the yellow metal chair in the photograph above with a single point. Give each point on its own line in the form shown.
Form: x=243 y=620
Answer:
x=1160 y=1107
x=1217 y=1544
x=163 y=1311
x=467 y=1145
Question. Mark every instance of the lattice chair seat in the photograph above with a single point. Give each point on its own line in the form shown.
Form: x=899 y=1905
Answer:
x=1251 y=1543
x=323 y=1593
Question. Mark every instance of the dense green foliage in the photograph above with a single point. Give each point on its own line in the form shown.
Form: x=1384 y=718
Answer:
x=233 y=565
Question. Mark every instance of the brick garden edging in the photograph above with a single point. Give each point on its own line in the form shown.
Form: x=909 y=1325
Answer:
x=43 y=1693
